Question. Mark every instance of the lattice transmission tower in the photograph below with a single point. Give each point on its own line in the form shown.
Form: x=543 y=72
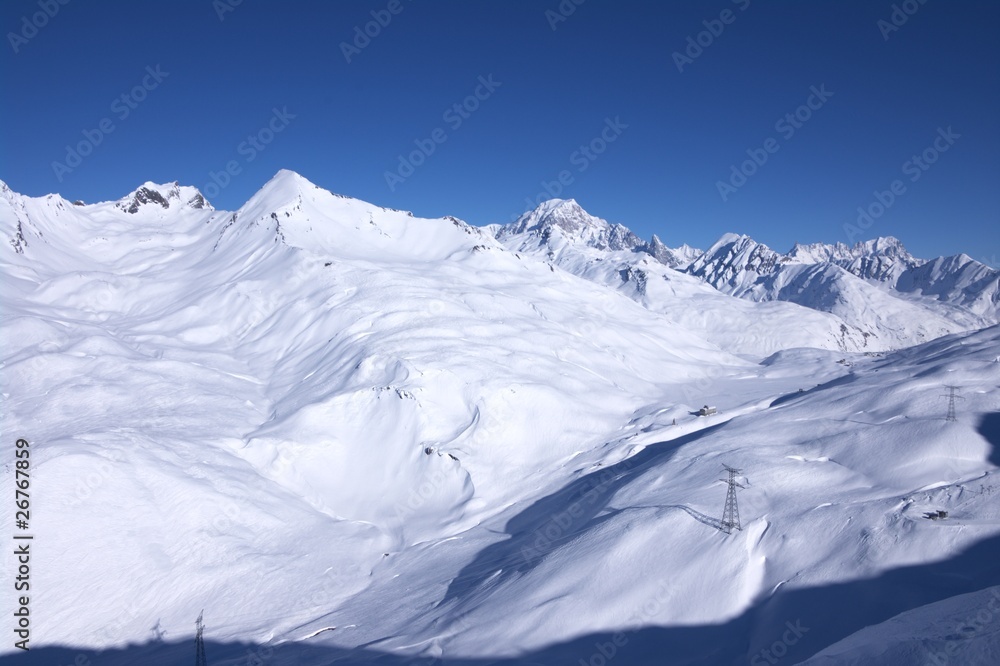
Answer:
x=199 y=643
x=731 y=513
x=952 y=397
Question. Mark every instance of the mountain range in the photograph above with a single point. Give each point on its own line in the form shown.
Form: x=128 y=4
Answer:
x=872 y=296
x=348 y=434
x=880 y=297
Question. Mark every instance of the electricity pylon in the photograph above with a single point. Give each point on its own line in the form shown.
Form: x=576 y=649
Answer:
x=731 y=513
x=951 y=402
x=199 y=643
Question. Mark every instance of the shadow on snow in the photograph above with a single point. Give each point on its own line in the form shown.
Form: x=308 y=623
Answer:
x=559 y=518
x=827 y=613
x=823 y=615
x=989 y=428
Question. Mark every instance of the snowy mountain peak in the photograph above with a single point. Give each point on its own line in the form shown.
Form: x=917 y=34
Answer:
x=678 y=257
x=288 y=188
x=164 y=196
x=735 y=259
x=287 y=181
x=883 y=246
x=566 y=214
x=730 y=244
x=880 y=259
x=817 y=253
x=660 y=252
x=728 y=239
x=561 y=222
x=290 y=211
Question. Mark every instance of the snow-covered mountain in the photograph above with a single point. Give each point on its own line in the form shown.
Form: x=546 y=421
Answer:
x=564 y=235
x=879 y=295
x=875 y=278
x=558 y=222
x=351 y=434
x=958 y=280
x=881 y=259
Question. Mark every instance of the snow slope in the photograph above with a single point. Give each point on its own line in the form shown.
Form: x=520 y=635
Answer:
x=960 y=630
x=349 y=433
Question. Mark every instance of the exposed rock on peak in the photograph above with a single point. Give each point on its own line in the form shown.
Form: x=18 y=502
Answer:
x=560 y=222
x=164 y=196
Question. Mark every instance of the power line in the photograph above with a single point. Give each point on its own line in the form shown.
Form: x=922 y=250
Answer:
x=199 y=643
x=731 y=512
x=951 y=401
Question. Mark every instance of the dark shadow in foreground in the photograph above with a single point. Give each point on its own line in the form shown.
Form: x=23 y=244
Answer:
x=989 y=428
x=793 y=625
x=798 y=623
x=556 y=519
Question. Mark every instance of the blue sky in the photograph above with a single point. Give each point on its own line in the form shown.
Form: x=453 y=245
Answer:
x=594 y=97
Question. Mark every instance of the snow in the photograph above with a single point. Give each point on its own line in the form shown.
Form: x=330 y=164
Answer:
x=879 y=296
x=347 y=432
x=961 y=630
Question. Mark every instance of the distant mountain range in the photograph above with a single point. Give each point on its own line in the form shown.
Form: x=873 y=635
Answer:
x=881 y=296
